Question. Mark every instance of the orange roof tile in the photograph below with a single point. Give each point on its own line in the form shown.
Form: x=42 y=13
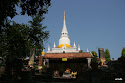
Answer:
x=68 y=55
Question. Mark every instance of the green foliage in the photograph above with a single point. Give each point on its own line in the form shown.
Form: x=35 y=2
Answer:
x=95 y=58
x=81 y=51
x=29 y=7
x=14 y=43
x=123 y=52
x=36 y=66
x=17 y=39
x=37 y=34
x=7 y=9
x=107 y=55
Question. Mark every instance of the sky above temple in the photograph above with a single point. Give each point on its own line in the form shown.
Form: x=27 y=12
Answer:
x=92 y=24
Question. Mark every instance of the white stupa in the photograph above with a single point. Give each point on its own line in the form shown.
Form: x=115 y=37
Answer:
x=64 y=43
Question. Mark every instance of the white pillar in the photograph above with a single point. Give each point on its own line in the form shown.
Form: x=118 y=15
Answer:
x=87 y=50
x=32 y=55
x=74 y=45
x=78 y=47
x=48 y=48
x=54 y=45
x=44 y=62
x=47 y=60
x=89 y=62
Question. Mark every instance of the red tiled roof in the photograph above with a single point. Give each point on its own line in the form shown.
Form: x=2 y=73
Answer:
x=68 y=55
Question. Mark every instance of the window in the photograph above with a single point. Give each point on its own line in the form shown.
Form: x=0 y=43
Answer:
x=63 y=51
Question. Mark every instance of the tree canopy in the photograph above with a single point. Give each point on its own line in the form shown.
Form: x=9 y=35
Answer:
x=81 y=51
x=107 y=55
x=37 y=34
x=29 y=7
x=17 y=39
x=123 y=52
x=13 y=41
x=95 y=59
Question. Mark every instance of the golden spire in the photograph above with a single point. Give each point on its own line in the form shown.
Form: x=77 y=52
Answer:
x=64 y=14
x=43 y=52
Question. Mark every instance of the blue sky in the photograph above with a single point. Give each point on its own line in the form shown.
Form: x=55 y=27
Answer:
x=92 y=24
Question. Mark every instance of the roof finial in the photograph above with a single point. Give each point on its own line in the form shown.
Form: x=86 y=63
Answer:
x=64 y=29
x=78 y=47
x=48 y=48
x=74 y=44
x=87 y=50
x=64 y=14
x=43 y=52
x=54 y=45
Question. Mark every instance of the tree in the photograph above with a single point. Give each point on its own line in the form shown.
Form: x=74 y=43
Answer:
x=107 y=55
x=19 y=39
x=81 y=51
x=37 y=34
x=123 y=52
x=14 y=43
x=14 y=47
x=30 y=7
x=95 y=59
x=16 y=40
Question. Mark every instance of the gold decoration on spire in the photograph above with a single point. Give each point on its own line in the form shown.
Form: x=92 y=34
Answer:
x=64 y=14
x=43 y=52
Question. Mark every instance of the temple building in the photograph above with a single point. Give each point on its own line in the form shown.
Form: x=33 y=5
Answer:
x=66 y=56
